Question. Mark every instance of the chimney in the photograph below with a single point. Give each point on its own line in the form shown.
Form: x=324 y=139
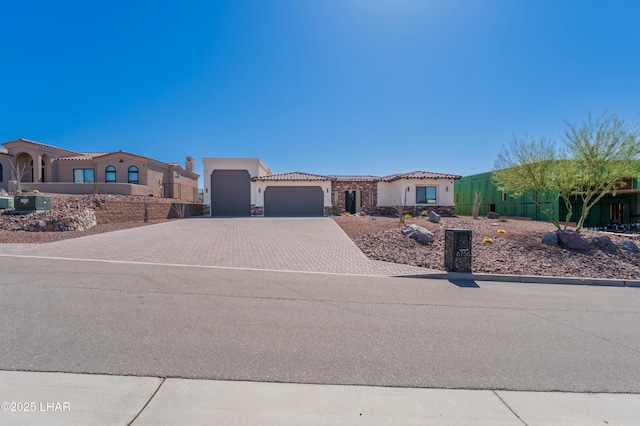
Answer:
x=189 y=164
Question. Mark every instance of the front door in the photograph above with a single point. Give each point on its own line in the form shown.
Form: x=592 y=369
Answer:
x=350 y=201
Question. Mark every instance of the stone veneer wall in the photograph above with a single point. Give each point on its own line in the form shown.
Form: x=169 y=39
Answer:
x=133 y=211
x=417 y=210
x=369 y=191
x=257 y=211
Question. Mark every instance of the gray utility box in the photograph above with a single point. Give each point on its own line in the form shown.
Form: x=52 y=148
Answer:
x=32 y=203
x=457 y=250
x=6 y=202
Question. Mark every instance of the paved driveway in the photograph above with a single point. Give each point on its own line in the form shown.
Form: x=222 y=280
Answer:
x=291 y=244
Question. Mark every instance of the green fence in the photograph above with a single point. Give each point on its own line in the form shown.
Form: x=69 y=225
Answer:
x=624 y=207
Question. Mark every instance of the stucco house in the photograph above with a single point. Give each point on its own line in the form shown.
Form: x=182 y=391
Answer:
x=57 y=170
x=246 y=187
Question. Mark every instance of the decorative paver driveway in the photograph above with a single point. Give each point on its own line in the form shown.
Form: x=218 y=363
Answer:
x=291 y=244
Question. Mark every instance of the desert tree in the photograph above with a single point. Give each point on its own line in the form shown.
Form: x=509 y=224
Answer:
x=398 y=198
x=19 y=171
x=595 y=158
x=534 y=168
x=179 y=208
x=606 y=150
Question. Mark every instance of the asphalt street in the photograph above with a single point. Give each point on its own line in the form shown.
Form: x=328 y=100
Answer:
x=215 y=323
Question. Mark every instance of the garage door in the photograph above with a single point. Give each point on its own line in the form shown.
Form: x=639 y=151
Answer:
x=230 y=193
x=293 y=201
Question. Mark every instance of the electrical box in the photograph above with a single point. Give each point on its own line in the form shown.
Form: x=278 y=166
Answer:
x=458 y=250
x=29 y=203
x=6 y=202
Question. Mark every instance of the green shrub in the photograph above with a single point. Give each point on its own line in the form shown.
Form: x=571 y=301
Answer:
x=424 y=213
x=407 y=216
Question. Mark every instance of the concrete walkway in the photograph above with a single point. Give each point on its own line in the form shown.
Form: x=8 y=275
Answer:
x=291 y=244
x=62 y=399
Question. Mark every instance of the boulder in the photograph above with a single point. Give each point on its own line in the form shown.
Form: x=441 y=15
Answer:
x=550 y=238
x=434 y=217
x=629 y=245
x=418 y=233
x=493 y=215
x=572 y=240
x=605 y=244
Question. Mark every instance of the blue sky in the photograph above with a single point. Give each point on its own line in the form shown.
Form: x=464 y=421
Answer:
x=321 y=86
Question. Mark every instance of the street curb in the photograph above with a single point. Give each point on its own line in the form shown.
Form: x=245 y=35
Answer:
x=534 y=279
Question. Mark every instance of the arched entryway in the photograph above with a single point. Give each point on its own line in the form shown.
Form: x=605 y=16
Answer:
x=45 y=168
x=23 y=167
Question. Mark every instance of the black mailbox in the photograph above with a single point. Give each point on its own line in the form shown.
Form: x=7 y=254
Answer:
x=457 y=250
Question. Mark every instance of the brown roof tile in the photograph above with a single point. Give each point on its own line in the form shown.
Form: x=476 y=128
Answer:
x=354 y=178
x=419 y=175
x=85 y=156
x=41 y=144
x=292 y=176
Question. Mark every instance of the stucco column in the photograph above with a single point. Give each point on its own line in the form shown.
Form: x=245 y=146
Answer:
x=37 y=169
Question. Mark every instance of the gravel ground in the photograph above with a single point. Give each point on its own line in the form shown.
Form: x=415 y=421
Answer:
x=519 y=251
x=48 y=237
x=65 y=204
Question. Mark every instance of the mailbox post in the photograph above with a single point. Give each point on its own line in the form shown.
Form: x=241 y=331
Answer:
x=457 y=250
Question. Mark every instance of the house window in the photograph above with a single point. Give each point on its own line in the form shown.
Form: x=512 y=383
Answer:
x=110 y=174
x=0 y=172
x=425 y=194
x=133 y=175
x=42 y=164
x=84 y=175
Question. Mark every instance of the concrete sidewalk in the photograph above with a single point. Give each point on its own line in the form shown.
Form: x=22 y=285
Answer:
x=32 y=398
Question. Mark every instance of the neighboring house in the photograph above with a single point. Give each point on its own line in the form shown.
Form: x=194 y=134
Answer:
x=624 y=207
x=57 y=170
x=246 y=187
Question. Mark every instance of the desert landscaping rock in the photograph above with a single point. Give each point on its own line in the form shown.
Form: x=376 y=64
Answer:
x=550 y=238
x=71 y=216
x=493 y=215
x=434 y=217
x=572 y=240
x=67 y=222
x=605 y=244
x=418 y=233
x=519 y=251
x=629 y=246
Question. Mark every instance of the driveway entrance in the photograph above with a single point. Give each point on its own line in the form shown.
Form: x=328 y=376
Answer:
x=283 y=244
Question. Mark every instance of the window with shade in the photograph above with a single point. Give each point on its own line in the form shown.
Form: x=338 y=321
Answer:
x=84 y=175
x=426 y=194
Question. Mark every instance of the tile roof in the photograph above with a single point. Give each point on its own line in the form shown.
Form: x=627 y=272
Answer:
x=42 y=144
x=419 y=175
x=292 y=176
x=85 y=156
x=354 y=178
